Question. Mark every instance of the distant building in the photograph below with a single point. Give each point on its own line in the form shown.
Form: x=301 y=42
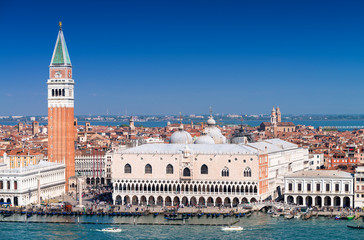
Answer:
x=20 y=127
x=316 y=160
x=242 y=136
x=276 y=125
x=35 y=127
x=90 y=164
x=22 y=158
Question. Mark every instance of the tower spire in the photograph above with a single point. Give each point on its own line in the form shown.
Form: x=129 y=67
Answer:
x=60 y=55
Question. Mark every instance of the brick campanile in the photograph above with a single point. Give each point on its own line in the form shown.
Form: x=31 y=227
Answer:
x=61 y=132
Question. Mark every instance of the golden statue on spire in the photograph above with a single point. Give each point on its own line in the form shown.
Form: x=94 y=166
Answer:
x=60 y=25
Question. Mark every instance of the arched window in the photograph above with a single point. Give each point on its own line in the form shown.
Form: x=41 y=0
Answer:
x=148 y=169
x=247 y=172
x=204 y=169
x=225 y=172
x=52 y=92
x=56 y=92
x=186 y=172
x=63 y=93
x=169 y=169
x=127 y=168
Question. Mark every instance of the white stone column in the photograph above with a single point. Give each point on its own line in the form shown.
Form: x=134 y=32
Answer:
x=79 y=186
x=38 y=188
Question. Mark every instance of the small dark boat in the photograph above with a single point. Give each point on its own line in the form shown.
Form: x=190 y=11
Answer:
x=7 y=214
x=356 y=227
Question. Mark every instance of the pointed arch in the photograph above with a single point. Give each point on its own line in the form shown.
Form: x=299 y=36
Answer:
x=225 y=172
x=148 y=169
x=169 y=169
x=204 y=169
x=186 y=172
x=247 y=172
x=127 y=168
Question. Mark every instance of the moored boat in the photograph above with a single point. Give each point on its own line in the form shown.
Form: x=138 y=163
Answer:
x=298 y=215
x=351 y=217
x=355 y=227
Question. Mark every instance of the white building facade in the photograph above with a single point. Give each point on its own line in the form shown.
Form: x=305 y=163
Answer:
x=20 y=186
x=331 y=188
x=92 y=167
x=283 y=158
x=359 y=187
x=195 y=174
x=202 y=174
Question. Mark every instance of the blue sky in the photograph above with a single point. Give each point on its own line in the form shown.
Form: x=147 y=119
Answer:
x=166 y=57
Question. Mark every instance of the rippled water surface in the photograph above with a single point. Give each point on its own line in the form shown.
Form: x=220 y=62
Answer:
x=259 y=226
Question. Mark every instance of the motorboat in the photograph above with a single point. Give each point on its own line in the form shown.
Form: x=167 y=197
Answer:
x=351 y=217
x=288 y=216
x=232 y=228
x=114 y=230
x=275 y=215
x=270 y=211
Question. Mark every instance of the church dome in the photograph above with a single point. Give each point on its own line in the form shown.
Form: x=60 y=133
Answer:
x=181 y=137
x=215 y=133
x=204 y=139
x=211 y=121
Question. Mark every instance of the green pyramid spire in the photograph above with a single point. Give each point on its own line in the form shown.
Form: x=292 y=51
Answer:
x=60 y=53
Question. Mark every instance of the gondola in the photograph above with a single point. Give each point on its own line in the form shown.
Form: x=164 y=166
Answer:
x=7 y=214
x=356 y=227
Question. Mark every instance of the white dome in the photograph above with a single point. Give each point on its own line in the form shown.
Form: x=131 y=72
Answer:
x=204 y=139
x=215 y=134
x=181 y=137
x=211 y=121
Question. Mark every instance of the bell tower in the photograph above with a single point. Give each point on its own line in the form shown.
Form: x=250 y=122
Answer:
x=61 y=134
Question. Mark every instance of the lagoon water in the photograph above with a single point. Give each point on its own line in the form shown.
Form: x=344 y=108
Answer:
x=259 y=226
